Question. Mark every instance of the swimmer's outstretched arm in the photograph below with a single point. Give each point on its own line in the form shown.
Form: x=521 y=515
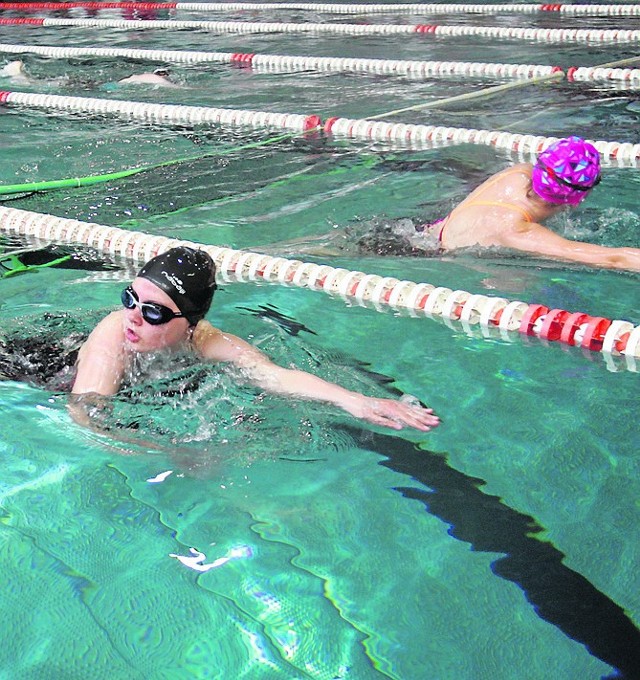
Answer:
x=217 y=346
x=384 y=412
x=537 y=239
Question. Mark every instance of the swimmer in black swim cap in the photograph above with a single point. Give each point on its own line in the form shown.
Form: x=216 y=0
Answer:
x=164 y=309
x=187 y=276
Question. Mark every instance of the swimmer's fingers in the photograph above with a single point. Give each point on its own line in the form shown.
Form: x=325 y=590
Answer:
x=396 y=415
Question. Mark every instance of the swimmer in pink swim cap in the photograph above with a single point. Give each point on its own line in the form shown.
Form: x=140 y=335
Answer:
x=509 y=209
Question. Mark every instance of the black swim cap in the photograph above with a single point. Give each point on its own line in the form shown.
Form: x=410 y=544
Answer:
x=187 y=276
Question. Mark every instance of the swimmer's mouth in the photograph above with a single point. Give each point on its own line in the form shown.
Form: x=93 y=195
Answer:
x=131 y=336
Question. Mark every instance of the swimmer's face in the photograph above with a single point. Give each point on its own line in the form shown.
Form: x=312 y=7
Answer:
x=142 y=336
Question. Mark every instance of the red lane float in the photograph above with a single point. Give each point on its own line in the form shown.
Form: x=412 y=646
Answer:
x=341 y=8
x=570 y=327
x=59 y=6
x=551 y=328
x=22 y=20
x=573 y=35
x=594 y=333
x=529 y=325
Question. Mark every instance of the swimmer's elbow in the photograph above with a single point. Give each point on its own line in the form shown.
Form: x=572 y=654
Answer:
x=622 y=258
x=78 y=414
x=90 y=410
x=78 y=411
x=103 y=388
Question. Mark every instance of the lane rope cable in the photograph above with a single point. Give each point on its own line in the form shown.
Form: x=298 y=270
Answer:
x=560 y=35
x=594 y=333
x=335 y=8
x=293 y=63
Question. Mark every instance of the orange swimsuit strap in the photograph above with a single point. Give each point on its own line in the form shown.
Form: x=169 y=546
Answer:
x=498 y=204
x=497 y=178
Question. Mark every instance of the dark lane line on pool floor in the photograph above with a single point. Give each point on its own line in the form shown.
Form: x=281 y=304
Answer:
x=558 y=594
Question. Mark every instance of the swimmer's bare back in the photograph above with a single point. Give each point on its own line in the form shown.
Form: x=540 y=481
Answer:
x=502 y=204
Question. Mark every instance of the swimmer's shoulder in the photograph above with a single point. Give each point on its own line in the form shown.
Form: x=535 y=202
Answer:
x=202 y=330
x=514 y=178
x=205 y=338
x=520 y=171
x=112 y=323
x=108 y=333
x=213 y=344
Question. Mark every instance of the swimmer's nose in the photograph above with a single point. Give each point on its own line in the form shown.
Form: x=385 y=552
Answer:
x=134 y=316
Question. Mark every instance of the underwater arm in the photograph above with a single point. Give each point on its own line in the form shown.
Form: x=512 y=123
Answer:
x=89 y=410
x=537 y=239
x=94 y=411
x=217 y=346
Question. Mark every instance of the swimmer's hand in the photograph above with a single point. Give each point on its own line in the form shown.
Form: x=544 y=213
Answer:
x=391 y=413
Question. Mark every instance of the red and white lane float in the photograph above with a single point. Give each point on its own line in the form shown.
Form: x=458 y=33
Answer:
x=556 y=35
x=335 y=8
x=594 y=333
x=402 y=134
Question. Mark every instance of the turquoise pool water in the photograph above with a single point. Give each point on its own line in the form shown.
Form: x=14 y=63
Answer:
x=502 y=545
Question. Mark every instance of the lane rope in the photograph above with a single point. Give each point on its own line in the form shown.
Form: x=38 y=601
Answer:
x=281 y=63
x=629 y=76
x=334 y=8
x=163 y=113
x=292 y=63
x=405 y=135
x=594 y=333
x=239 y=27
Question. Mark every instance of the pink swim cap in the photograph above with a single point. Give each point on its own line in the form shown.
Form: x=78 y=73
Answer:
x=566 y=171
